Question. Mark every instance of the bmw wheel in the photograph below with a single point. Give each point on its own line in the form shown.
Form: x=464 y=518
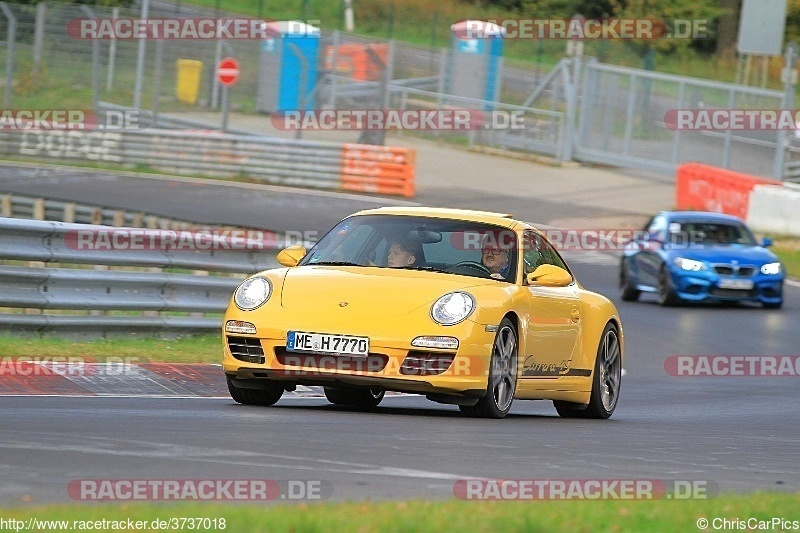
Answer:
x=502 y=382
x=666 y=292
x=627 y=291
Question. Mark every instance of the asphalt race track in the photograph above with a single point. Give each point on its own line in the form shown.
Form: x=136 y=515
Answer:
x=738 y=433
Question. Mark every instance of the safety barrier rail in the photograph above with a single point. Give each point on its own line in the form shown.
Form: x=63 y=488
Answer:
x=268 y=159
x=81 y=281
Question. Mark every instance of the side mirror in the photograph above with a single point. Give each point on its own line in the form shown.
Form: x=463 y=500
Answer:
x=766 y=242
x=290 y=256
x=549 y=276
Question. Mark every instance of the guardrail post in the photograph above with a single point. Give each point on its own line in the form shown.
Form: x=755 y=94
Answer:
x=38 y=209
x=5 y=206
x=69 y=213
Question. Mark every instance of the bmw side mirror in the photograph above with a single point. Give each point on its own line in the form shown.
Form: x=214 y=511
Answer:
x=766 y=242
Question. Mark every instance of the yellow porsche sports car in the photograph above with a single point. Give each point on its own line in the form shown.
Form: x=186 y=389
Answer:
x=465 y=307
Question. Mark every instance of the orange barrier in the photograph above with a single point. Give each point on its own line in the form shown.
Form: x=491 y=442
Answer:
x=353 y=59
x=707 y=188
x=378 y=169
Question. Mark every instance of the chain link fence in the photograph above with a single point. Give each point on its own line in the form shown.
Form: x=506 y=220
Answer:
x=597 y=113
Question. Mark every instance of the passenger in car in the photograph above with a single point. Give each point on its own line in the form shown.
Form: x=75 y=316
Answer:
x=403 y=253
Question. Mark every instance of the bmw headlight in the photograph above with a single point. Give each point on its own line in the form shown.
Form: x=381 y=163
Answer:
x=771 y=268
x=452 y=308
x=252 y=293
x=689 y=264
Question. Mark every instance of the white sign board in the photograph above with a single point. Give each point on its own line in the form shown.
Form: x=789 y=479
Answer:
x=761 y=27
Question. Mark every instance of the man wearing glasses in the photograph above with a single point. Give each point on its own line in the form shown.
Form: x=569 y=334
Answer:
x=495 y=259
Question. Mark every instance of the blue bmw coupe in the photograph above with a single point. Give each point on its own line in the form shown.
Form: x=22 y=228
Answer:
x=692 y=256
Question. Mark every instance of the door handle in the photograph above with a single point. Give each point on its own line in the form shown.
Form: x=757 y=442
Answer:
x=576 y=315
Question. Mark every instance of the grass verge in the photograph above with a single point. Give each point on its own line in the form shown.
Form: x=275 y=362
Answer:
x=788 y=250
x=449 y=515
x=199 y=349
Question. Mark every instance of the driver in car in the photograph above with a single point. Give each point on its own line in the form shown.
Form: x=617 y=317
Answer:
x=495 y=259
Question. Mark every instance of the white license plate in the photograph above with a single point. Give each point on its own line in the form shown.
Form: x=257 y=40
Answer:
x=299 y=341
x=736 y=284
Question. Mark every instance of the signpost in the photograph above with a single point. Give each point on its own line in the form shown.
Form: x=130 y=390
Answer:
x=227 y=74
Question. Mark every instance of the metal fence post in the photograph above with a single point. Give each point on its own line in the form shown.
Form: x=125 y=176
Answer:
x=140 y=58
x=572 y=109
x=38 y=37
x=11 y=37
x=157 y=81
x=112 y=54
x=95 y=63
x=789 y=84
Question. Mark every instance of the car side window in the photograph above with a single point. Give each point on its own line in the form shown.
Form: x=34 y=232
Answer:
x=538 y=251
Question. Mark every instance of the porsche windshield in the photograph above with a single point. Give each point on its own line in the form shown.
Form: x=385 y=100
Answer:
x=419 y=243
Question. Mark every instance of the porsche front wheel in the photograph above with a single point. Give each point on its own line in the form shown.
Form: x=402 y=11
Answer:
x=502 y=382
x=268 y=395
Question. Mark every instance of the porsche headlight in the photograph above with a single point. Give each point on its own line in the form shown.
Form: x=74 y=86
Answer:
x=452 y=308
x=252 y=293
x=771 y=268
x=689 y=264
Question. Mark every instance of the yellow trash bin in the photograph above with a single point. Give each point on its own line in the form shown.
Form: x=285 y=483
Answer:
x=187 y=82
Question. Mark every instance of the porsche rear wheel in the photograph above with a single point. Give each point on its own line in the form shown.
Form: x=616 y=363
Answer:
x=606 y=381
x=502 y=382
x=262 y=396
x=364 y=398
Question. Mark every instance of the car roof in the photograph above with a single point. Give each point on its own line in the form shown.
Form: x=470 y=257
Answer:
x=489 y=217
x=701 y=216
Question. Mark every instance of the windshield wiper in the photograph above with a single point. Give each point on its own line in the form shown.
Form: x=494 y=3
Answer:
x=334 y=263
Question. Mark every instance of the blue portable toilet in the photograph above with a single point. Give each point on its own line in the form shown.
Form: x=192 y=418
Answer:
x=287 y=71
x=474 y=66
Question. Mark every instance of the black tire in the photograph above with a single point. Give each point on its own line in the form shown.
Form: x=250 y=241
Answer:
x=502 y=380
x=362 y=398
x=627 y=292
x=666 y=292
x=600 y=406
x=776 y=305
x=267 y=396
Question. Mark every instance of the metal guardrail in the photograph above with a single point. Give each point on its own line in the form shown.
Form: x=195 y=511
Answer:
x=37 y=208
x=268 y=159
x=35 y=288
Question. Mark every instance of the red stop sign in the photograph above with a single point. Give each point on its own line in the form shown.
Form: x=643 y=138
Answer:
x=228 y=71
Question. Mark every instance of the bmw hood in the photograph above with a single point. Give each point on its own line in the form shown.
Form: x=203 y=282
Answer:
x=744 y=255
x=390 y=292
